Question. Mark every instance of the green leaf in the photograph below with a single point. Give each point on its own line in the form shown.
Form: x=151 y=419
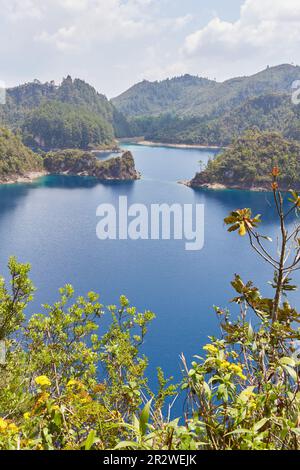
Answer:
x=260 y=424
x=144 y=418
x=288 y=361
x=292 y=373
x=57 y=418
x=240 y=431
x=126 y=444
x=250 y=332
x=90 y=440
x=234 y=228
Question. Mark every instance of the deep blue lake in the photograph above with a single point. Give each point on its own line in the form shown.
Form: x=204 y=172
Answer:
x=52 y=224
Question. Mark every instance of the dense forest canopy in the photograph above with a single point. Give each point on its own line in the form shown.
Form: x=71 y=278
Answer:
x=72 y=114
x=15 y=158
x=191 y=110
x=188 y=95
x=267 y=112
x=249 y=161
x=61 y=125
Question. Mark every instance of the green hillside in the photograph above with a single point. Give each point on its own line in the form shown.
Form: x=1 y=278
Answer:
x=174 y=95
x=187 y=109
x=187 y=95
x=272 y=112
x=15 y=158
x=248 y=163
x=46 y=113
x=191 y=110
x=61 y=125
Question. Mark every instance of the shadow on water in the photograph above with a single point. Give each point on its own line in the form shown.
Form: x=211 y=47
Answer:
x=11 y=195
x=231 y=199
x=77 y=182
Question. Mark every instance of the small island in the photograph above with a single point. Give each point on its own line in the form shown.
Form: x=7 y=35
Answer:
x=20 y=164
x=248 y=162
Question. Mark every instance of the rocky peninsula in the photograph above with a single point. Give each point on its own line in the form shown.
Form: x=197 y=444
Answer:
x=248 y=164
x=18 y=163
x=76 y=162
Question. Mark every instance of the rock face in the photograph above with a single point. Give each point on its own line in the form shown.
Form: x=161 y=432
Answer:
x=118 y=168
x=74 y=162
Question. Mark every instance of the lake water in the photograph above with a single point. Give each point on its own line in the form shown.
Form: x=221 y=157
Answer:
x=52 y=224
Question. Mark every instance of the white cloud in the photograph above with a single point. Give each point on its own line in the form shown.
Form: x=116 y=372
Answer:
x=115 y=43
x=88 y=22
x=267 y=30
x=15 y=10
x=105 y=42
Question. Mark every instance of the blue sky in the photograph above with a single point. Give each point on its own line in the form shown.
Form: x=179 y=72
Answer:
x=115 y=43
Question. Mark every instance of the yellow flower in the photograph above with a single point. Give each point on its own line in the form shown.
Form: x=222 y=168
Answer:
x=242 y=376
x=43 y=381
x=3 y=425
x=242 y=230
x=12 y=427
x=224 y=364
x=72 y=383
x=237 y=369
x=27 y=416
x=210 y=348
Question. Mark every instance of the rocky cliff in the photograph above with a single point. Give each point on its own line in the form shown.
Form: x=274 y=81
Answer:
x=74 y=162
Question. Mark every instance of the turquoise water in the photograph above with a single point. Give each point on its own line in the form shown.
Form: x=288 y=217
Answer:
x=52 y=224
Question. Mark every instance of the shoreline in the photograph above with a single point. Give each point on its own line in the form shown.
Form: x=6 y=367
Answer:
x=28 y=178
x=115 y=150
x=124 y=165
x=223 y=187
x=149 y=143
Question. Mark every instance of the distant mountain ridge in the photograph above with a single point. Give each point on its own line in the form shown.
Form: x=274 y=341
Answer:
x=183 y=110
x=189 y=95
x=194 y=110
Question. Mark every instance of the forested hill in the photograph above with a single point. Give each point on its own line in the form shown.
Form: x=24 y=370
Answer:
x=176 y=95
x=248 y=164
x=58 y=116
x=15 y=159
x=184 y=110
x=192 y=110
x=272 y=112
x=188 y=95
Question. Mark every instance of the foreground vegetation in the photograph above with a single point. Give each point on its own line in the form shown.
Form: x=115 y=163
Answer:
x=66 y=384
x=246 y=163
